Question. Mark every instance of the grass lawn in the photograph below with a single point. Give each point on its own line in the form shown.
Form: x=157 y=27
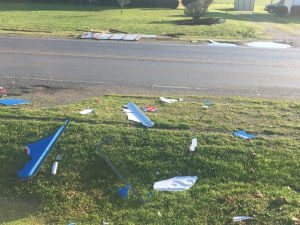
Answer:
x=236 y=177
x=66 y=20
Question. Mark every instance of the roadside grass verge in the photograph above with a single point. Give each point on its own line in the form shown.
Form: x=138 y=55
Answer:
x=71 y=20
x=232 y=172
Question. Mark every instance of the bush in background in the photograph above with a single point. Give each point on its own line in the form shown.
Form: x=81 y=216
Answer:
x=281 y=10
x=197 y=8
x=295 y=10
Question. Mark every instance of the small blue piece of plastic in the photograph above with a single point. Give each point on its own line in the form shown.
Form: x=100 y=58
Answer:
x=9 y=102
x=243 y=134
x=123 y=192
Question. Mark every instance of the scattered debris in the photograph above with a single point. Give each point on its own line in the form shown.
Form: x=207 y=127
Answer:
x=133 y=113
x=193 y=145
x=168 y=100
x=242 y=218
x=54 y=168
x=2 y=91
x=105 y=223
x=123 y=192
x=265 y=44
x=38 y=152
x=159 y=214
x=120 y=36
x=117 y=36
x=207 y=103
x=219 y=44
x=9 y=102
x=149 y=109
x=59 y=157
x=86 y=111
x=181 y=183
x=132 y=37
x=243 y=134
x=100 y=153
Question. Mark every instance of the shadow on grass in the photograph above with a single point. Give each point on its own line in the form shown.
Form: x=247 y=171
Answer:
x=256 y=17
x=15 y=209
x=51 y=7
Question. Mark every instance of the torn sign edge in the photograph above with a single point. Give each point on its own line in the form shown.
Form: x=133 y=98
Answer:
x=133 y=113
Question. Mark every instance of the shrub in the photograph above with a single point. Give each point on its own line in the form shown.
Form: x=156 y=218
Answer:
x=281 y=10
x=144 y=3
x=186 y=2
x=197 y=8
x=295 y=10
x=172 y=4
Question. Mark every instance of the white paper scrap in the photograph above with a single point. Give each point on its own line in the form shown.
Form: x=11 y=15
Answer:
x=193 y=145
x=168 y=100
x=86 y=111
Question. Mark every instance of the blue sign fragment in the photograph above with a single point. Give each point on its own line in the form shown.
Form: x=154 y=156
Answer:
x=9 y=102
x=136 y=115
x=243 y=134
x=123 y=192
x=38 y=152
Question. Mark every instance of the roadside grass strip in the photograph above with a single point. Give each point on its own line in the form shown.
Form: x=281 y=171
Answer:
x=236 y=177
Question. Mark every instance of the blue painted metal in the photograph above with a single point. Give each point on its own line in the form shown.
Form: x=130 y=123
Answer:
x=8 y=102
x=141 y=117
x=38 y=152
x=244 y=134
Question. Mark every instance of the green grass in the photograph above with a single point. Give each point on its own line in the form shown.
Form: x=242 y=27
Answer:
x=65 y=20
x=231 y=171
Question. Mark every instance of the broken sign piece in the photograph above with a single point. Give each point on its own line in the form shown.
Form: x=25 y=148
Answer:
x=9 y=102
x=38 y=152
x=193 y=145
x=54 y=168
x=176 y=183
x=168 y=100
x=149 y=109
x=134 y=114
x=123 y=192
x=241 y=218
x=86 y=111
x=243 y=134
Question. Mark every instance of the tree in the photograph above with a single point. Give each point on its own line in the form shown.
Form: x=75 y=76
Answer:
x=123 y=3
x=197 y=9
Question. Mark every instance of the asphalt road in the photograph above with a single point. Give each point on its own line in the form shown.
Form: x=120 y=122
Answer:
x=160 y=65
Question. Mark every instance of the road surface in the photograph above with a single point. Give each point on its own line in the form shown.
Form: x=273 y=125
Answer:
x=162 y=65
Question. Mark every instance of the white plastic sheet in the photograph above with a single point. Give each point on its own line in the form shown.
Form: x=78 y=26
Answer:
x=180 y=183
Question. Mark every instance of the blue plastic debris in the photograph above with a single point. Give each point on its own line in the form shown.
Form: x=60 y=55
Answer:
x=243 y=134
x=38 y=152
x=134 y=113
x=123 y=192
x=9 y=102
